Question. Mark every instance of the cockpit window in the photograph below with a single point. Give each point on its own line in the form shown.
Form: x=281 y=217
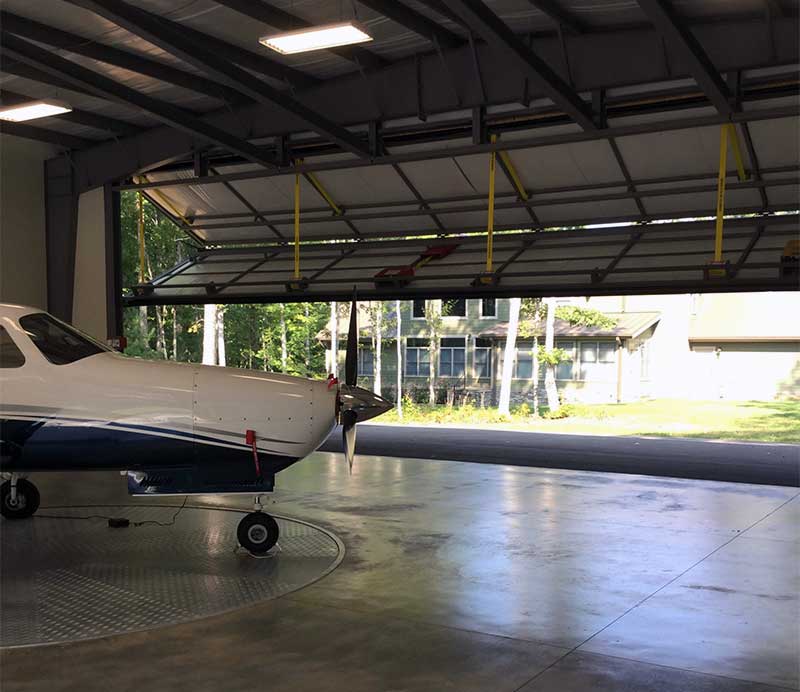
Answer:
x=10 y=355
x=58 y=342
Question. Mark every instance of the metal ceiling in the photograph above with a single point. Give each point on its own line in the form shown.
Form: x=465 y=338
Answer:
x=604 y=113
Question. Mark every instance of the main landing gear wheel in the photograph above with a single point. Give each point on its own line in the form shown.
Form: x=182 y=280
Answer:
x=19 y=505
x=257 y=532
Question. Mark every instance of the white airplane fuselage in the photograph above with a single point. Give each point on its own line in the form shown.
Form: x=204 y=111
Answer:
x=109 y=411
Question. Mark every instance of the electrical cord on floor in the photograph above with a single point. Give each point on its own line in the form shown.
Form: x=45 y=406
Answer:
x=119 y=522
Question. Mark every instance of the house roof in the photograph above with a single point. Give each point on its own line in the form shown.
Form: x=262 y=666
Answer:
x=628 y=325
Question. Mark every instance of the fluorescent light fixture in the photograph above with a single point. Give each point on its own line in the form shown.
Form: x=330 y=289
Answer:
x=30 y=110
x=316 y=38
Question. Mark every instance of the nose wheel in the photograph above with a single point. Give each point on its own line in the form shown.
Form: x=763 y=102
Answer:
x=19 y=498
x=257 y=532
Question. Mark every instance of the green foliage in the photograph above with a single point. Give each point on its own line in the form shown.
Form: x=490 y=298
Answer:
x=584 y=317
x=554 y=356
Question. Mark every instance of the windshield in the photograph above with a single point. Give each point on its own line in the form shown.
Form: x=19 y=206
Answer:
x=58 y=342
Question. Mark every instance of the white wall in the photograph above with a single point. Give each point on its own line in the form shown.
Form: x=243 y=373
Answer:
x=89 y=307
x=23 y=277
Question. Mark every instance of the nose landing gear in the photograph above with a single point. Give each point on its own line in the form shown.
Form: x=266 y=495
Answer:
x=19 y=498
x=258 y=531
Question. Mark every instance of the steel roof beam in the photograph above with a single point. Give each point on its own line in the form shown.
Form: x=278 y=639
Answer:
x=79 y=45
x=682 y=41
x=256 y=214
x=416 y=22
x=73 y=73
x=77 y=116
x=559 y=15
x=43 y=135
x=509 y=145
x=496 y=33
x=170 y=37
x=284 y=21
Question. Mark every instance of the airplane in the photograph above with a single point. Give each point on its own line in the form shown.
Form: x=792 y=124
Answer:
x=71 y=403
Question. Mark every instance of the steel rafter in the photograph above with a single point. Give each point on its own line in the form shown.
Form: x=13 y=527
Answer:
x=497 y=34
x=79 y=45
x=41 y=134
x=558 y=14
x=171 y=37
x=261 y=217
x=412 y=188
x=679 y=38
x=509 y=145
x=414 y=21
x=73 y=73
x=284 y=21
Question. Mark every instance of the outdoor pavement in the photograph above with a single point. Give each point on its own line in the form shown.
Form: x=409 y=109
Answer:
x=736 y=462
x=475 y=577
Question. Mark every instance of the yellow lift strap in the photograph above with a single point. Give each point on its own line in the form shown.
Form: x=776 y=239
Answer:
x=737 y=152
x=490 y=219
x=721 y=176
x=522 y=193
x=315 y=182
x=297 y=225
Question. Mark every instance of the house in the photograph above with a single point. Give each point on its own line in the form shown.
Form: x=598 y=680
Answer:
x=737 y=346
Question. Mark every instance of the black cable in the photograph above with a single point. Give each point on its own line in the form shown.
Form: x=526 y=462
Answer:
x=171 y=522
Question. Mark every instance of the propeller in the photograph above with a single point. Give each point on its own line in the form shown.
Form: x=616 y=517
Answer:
x=355 y=404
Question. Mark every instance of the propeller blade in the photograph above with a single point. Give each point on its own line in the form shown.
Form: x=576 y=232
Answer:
x=349 y=437
x=351 y=359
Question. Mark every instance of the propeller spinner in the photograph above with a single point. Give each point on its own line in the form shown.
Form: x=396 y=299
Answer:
x=355 y=403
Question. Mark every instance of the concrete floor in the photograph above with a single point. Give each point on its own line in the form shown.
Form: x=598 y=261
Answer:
x=468 y=577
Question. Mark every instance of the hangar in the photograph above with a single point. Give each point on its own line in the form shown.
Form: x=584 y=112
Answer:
x=471 y=148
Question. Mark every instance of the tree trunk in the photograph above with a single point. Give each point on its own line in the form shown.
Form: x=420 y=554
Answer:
x=536 y=376
x=334 y=358
x=221 y=338
x=504 y=408
x=209 y=334
x=308 y=340
x=549 y=341
x=264 y=350
x=399 y=362
x=143 y=328
x=284 y=353
x=174 y=333
x=161 y=340
x=378 y=348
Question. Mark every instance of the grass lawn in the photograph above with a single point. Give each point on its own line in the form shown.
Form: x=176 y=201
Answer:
x=762 y=421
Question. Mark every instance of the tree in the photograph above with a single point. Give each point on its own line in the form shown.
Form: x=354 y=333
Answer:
x=504 y=407
x=399 y=394
x=210 y=334
x=550 y=362
x=284 y=353
x=377 y=332
x=433 y=320
x=221 y=337
x=334 y=357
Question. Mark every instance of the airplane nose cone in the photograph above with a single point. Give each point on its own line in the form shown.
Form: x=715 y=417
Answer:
x=362 y=402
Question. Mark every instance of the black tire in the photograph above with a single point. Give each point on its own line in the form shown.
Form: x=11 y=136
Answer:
x=257 y=533
x=27 y=500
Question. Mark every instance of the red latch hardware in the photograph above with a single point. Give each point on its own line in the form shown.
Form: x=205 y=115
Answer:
x=250 y=438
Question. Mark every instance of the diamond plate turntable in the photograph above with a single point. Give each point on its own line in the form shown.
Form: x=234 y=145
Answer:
x=70 y=578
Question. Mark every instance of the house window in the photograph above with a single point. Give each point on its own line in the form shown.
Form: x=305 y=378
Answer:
x=10 y=355
x=418 y=310
x=597 y=359
x=483 y=358
x=488 y=307
x=565 y=370
x=418 y=358
x=523 y=364
x=452 y=357
x=454 y=308
x=365 y=362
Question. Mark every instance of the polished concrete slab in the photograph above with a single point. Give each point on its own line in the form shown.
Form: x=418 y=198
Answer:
x=483 y=577
x=67 y=575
